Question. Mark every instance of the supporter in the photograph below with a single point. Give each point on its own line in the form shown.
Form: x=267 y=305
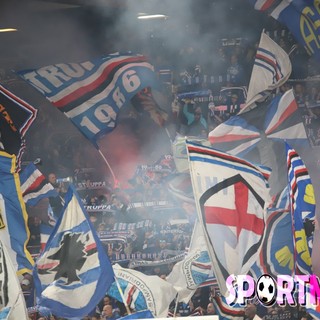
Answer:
x=210 y=309
x=250 y=312
x=108 y=313
x=56 y=202
x=235 y=71
x=196 y=123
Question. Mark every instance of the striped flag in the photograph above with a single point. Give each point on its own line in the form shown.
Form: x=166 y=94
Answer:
x=35 y=186
x=271 y=69
x=231 y=196
x=92 y=93
x=303 y=206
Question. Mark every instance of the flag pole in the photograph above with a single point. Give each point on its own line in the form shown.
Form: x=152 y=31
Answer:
x=115 y=181
x=122 y=296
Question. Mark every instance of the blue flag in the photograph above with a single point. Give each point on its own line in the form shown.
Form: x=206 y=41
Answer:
x=301 y=17
x=14 y=232
x=91 y=93
x=73 y=273
x=303 y=206
x=145 y=314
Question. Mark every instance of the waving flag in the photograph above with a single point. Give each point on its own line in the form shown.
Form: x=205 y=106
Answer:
x=277 y=253
x=35 y=186
x=143 y=292
x=188 y=274
x=301 y=17
x=12 y=303
x=145 y=314
x=278 y=121
x=16 y=116
x=303 y=207
x=14 y=231
x=73 y=263
x=92 y=93
x=271 y=69
x=231 y=195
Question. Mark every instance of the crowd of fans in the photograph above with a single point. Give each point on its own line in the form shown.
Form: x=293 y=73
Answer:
x=145 y=221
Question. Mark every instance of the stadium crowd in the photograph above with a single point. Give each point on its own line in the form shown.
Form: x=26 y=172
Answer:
x=146 y=221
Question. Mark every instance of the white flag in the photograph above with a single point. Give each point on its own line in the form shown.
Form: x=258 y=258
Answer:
x=272 y=68
x=143 y=292
x=231 y=195
x=194 y=269
x=12 y=303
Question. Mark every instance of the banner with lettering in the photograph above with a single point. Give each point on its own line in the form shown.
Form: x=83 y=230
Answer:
x=92 y=93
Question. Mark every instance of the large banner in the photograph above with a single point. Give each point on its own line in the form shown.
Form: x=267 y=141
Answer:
x=91 y=93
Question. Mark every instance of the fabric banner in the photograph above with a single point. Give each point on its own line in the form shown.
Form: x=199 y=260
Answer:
x=301 y=17
x=92 y=93
x=73 y=262
x=14 y=231
x=231 y=195
x=271 y=69
x=35 y=186
x=11 y=298
x=143 y=292
x=303 y=206
x=194 y=269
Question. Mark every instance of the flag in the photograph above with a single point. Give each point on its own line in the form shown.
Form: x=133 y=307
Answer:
x=92 y=93
x=301 y=17
x=277 y=253
x=142 y=292
x=225 y=311
x=179 y=152
x=14 y=231
x=278 y=121
x=74 y=262
x=188 y=274
x=16 y=116
x=276 y=256
x=12 y=303
x=303 y=207
x=312 y=307
x=145 y=314
x=271 y=69
x=144 y=101
x=231 y=195
x=35 y=186
x=258 y=135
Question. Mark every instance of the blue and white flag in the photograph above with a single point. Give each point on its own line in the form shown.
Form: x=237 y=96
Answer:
x=92 y=93
x=35 y=186
x=73 y=273
x=188 y=274
x=301 y=17
x=303 y=206
x=271 y=69
x=142 y=292
x=14 y=232
x=145 y=314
